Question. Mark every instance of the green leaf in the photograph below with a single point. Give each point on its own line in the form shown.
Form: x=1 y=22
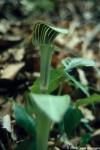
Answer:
x=53 y=106
x=85 y=139
x=56 y=76
x=88 y=101
x=44 y=33
x=78 y=84
x=71 y=63
x=26 y=145
x=24 y=119
x=72 y=120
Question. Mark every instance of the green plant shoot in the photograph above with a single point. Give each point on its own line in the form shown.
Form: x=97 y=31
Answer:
x=43 y=36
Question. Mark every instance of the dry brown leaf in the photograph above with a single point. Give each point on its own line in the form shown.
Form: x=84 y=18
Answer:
x=82 y=77
x=97 y=132
x=11 y=70
x=7 y=123
x=87 y=113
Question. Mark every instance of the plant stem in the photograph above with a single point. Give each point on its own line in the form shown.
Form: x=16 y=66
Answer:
x=43 y=121
x=45 y=66
x=43 y=127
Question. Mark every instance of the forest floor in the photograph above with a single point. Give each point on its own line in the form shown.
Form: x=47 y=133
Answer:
x=20 y=63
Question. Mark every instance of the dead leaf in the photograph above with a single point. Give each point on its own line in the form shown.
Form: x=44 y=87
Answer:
x=7 y=123
x=11 y=70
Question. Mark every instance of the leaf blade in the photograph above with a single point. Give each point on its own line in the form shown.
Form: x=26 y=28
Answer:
x=71 y=63
x=56 y=76
x=24 y=119
x=88 y=101
x=71 y=120
x=53 y=106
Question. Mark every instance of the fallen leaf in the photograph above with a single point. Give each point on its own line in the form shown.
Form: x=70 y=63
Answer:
x=11 y=70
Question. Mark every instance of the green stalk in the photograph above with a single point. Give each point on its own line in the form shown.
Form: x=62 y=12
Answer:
x=45 y=66
x=43 y=121
x=43 y=128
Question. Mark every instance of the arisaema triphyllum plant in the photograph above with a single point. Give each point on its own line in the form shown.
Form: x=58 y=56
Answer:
x=46 y=108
